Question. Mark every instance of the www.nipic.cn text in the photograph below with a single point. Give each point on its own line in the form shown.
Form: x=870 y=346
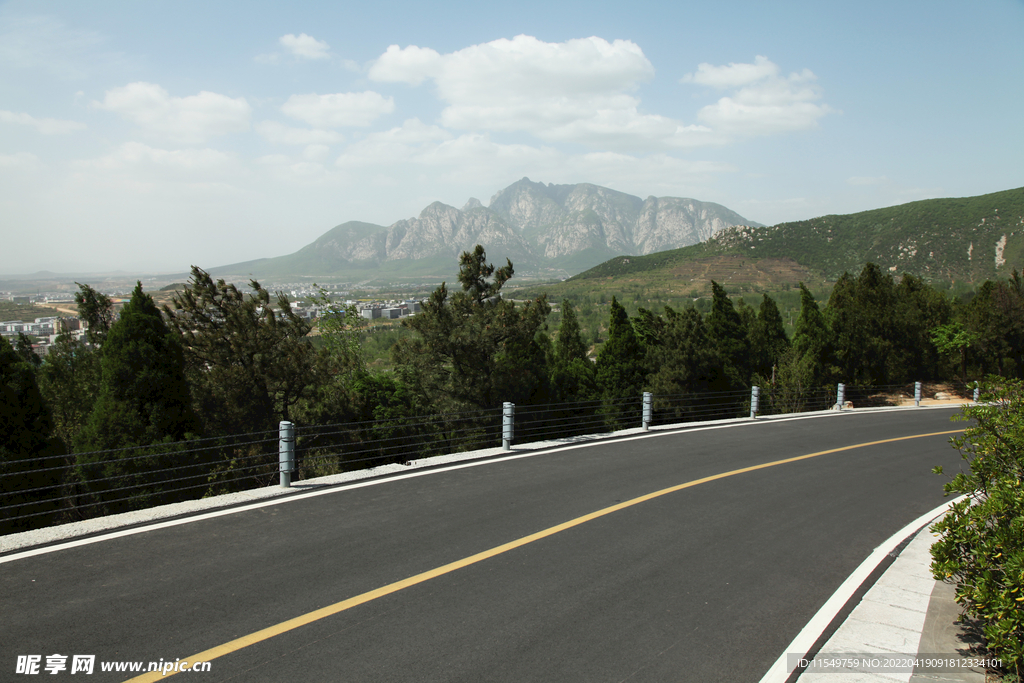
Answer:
x=86 y=664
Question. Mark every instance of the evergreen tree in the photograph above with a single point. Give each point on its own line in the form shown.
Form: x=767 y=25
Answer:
x=648 y=328
x=768 y=340
x=97 y=310
x=919 y=309
x=729 y=337
x=248 y=364
x=684 y=367
x=70 y=384
x=573 y=376
x=143 y=400
x=811 y=360
x=570 y=345
x=25 y=448
x=861 y=316
x=473 y=349
x=620 y=365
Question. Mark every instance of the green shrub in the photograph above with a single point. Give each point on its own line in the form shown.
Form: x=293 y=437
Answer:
x=981 y=547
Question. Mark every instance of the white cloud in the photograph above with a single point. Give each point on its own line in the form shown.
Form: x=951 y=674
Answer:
x=315 y=152
x=734 y=75
x=576 y=91
x=305 y=46
x=338 y=109
x=410 y=65
x=474 y=160
x=763 y=103
x=20 y=160
x=398 y=145
x=273 y=131
x=40 y=42
x=140 y=165
x=44 y=126
x=189 y=119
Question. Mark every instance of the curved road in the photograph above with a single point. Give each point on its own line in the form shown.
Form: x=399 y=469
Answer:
x=704 y=582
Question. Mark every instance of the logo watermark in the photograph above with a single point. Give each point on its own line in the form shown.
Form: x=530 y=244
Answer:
x=86 y=664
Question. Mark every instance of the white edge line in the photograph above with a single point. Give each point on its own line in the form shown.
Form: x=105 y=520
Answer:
x=664 y=430
x=805 y=640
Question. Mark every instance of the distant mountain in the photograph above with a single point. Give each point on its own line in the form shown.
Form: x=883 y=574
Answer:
x=969 y=239
x=543 y=229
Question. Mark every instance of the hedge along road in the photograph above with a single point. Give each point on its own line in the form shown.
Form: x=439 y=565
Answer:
x=561 y=566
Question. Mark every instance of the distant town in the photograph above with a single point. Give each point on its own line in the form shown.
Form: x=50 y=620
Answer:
x=44 y=330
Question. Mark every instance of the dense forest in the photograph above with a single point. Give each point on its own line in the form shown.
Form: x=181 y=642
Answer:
x=154 y=405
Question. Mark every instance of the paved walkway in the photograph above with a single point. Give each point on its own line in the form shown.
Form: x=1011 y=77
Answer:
x=905 y=612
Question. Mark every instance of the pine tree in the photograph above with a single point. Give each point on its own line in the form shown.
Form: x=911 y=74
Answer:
x=248 y=363
x=26 y=447
x=473 y=349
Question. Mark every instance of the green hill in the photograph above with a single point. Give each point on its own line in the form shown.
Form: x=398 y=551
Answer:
x=966 y=240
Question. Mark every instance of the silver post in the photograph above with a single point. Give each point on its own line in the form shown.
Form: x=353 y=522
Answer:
x=648 y=410
x=977 y=392
x=755 y=396
x=286 y=452
x=917 y=394
x=508 y=416
x=840 y=396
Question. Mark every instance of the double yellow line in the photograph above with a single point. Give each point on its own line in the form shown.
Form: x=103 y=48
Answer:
x=330 y=610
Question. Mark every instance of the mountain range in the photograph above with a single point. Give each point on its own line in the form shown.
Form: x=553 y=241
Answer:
x=545 y=230
x=963 y=240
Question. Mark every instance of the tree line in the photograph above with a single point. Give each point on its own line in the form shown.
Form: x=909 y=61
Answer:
x=99 y=416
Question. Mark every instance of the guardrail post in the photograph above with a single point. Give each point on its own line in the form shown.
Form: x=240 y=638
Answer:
x=648 y=410
x=840 y=396
x=508 y=418
x=977 y=392
x=286 y=452
x=755 y=400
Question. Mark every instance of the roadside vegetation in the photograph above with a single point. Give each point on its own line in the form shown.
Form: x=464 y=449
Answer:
x=217 y=361
x=981 y=548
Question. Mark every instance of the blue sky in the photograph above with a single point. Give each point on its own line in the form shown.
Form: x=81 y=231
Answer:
x=152 y=136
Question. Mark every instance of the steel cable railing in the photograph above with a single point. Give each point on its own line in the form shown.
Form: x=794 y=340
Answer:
x=81 y=485
x=41 y=491
x=698 y=407
x=328 y=449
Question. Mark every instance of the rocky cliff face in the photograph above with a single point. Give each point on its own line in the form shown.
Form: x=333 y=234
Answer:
x=537 y=226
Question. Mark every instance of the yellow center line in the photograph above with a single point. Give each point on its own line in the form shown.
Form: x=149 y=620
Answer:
x=330 y=610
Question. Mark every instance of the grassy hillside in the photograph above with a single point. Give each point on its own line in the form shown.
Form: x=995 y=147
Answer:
x=966 y=240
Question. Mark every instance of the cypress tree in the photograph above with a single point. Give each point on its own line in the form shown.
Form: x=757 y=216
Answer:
x=573 y=377
x=144 y=400
x=684 y=366
x=620 y=366
x=569 y=345
x=768 y=339
x=729 y=337
x=811 y=344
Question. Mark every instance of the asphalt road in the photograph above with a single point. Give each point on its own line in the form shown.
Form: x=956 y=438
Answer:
x=707 y=583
